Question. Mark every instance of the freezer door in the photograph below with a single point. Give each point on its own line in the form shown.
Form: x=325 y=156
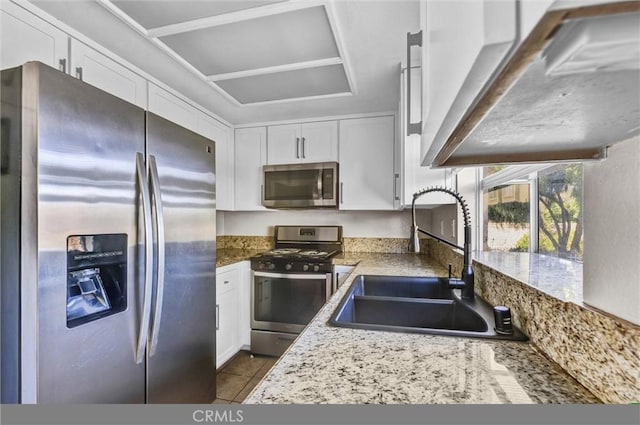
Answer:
x=81 y=312
x=181 y=356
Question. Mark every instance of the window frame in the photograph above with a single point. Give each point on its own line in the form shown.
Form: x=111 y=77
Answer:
x=513 y=174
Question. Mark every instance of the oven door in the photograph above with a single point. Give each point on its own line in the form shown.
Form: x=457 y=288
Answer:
x=287 y=302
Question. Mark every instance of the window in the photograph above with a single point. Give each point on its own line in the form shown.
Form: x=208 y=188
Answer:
x=552 y=225
x=560 y=223
x=507 y=218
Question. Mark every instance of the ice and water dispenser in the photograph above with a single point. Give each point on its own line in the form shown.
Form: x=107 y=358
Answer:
x=96 y=277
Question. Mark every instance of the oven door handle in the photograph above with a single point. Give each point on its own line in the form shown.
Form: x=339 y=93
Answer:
x=314 y=276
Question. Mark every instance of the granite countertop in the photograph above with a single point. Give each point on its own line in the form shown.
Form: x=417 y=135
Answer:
x=227 y=256
x=340 y=365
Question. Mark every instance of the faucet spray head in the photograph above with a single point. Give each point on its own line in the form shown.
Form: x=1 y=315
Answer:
x=414 y=241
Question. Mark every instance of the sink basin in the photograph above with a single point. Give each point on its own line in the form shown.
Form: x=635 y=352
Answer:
x=403 y=286
x=415 y=304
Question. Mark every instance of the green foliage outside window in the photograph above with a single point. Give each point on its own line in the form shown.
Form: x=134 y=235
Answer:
x=560 y=213
x=561 y=216
x=510 y=212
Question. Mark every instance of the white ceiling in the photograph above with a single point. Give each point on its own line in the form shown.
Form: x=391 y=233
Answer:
x=258 y=61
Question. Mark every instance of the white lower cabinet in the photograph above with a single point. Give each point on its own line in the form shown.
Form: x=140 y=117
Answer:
x=232 y=312
x=226 y=313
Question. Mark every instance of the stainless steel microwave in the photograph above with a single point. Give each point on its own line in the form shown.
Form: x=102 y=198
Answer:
x=308 y=185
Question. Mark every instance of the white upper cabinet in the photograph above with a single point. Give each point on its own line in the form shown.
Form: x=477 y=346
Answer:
x=367 y=163
x=283 y=144
x=319 y=141
x=565 y=89
x=250 y=156
x=416 y=177
x=306 y=142
x=32 y=39
x=222 y=135
x=96 y=69
x=463 y=43
x=530 y=13
x=171 y=107
x=25 y=37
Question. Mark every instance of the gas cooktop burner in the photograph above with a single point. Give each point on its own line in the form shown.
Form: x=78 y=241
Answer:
x=301 y=249
x=293 y=253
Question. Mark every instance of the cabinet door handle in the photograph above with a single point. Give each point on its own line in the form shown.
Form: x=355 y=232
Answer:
x=303 y=157
x=226 y=282
x=341 y=192
x=79 y=73
x=396 y=192
x=298 y=147
x=412 y=40
x=63 y=65
x=217 y=317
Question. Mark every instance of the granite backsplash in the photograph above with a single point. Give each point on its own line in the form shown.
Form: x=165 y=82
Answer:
x=386 y=245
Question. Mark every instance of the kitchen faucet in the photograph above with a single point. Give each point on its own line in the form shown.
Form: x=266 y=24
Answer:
x=466 y=283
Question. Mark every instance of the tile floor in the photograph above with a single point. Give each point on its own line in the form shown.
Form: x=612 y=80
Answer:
x=240 y=375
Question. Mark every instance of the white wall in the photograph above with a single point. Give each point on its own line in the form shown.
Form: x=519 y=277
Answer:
x=380 y=224
x=444 y=222
x=612 y=232
x=447 y=214
x=220 y=222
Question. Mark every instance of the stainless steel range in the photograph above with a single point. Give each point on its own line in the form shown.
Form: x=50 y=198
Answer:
x=290 y=284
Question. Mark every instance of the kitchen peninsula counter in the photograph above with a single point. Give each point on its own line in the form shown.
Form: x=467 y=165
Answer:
x=335 y=365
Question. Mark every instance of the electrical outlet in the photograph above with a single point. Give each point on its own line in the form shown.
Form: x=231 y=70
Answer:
x=453 y=228
x=442 y=227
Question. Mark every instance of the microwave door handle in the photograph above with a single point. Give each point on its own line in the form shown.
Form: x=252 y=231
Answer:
x=319 y=184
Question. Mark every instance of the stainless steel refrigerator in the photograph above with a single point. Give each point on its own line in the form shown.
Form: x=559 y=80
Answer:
x=108 y=248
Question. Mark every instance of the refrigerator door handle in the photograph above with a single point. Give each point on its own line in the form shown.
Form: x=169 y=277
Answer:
x=157 y=203
x=148 y=257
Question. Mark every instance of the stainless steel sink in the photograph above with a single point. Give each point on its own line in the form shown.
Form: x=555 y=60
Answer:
x=415 y=304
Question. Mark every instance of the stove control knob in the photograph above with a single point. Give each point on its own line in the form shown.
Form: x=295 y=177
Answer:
x=305 y=267
x=288 y=266
x=271 y=266
x=316 y=267
x=261 y=265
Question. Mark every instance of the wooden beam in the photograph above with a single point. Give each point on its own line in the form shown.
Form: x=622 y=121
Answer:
x=592 y=154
